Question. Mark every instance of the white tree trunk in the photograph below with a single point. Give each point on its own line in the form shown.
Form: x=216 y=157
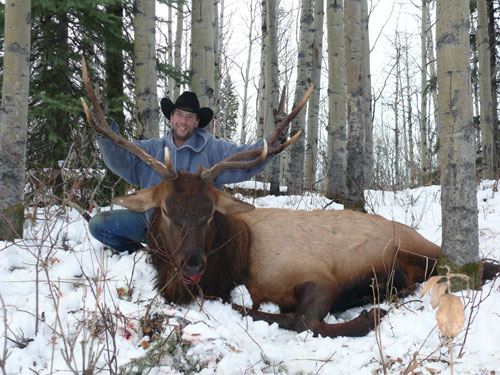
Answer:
x=457 y=152
x=202 y=51
x=367 y=89
x=355 y=106
x=14 y=117
x=486 y=119
x=146 y=96
x=423 y=94
x=218 y=36
x=432 y=75
x=304 y=61
x=177 y=47
x=311 y=157
x=261 y=98
x=272 y=93
x=337 y=135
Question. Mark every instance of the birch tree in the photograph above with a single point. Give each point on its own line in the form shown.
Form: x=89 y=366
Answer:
x=14 y=117
x=304 y=61
x=457 y=152
x=336 y=165
x=311 y=156
x=355 y=106
x=202 y=51
x=486 y=107
x=145 y=69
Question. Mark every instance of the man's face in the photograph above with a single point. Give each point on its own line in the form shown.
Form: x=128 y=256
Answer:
x=183 y=124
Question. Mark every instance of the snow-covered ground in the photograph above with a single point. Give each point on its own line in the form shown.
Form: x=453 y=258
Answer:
x=91 y=306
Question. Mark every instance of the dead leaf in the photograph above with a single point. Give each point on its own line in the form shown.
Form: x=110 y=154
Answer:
x=430 y=283
x=437 y=291
x=433 y=371
x=145 y=345
x=450 y=315
x=122 y=292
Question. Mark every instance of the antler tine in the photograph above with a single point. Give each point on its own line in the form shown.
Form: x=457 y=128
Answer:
x=236 y=161
x=292 y=115
x=278 y=149
x=103 y=128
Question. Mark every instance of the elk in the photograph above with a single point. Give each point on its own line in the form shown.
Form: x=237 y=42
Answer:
x=204 y=241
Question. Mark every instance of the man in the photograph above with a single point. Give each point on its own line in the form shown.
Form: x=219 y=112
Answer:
x=189 y=145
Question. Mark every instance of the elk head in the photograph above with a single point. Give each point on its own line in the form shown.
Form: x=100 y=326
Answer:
x=185 y=203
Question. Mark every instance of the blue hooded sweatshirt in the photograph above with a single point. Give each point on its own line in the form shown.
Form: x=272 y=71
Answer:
x=200 y=148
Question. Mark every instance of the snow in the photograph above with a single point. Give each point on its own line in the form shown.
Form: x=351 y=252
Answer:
x=91 y=305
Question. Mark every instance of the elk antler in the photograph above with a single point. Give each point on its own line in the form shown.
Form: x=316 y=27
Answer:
x=241 y=159
x=292 y=114
x=166 y=171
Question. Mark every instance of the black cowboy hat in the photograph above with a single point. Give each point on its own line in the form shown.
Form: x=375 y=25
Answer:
x=187 y=101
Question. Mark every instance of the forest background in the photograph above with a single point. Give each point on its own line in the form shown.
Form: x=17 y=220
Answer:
x=430 y=116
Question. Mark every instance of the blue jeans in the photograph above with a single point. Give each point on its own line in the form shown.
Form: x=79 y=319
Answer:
x=122 y=230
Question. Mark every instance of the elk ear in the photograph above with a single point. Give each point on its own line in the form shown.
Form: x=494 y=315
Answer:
x=141 y=200
x=228 y=205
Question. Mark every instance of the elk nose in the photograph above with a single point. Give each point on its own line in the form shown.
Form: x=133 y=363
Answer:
x=193 y=265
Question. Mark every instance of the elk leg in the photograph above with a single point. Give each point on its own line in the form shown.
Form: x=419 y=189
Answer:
x=285 y=320
x=314 y=301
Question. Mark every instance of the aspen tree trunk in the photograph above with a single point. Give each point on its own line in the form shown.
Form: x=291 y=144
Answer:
x=493 y=67
x=336 y=177
x=367 y=89
x=178 y=46
x=355 y=106
x=148 y=115
x=261 y=99
x=304 y=61
x=404 y=163
x=412 y=172
x=202 y=52
x=14 y=118
x=396 y=177
x=272 y=93
x=486 y=107
x=246 y=77
x=311 y=157
x=218 y=35
x=457 y=153
x=476 y=111
x=170 y=49
x=433 y=76
x=424 y=172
